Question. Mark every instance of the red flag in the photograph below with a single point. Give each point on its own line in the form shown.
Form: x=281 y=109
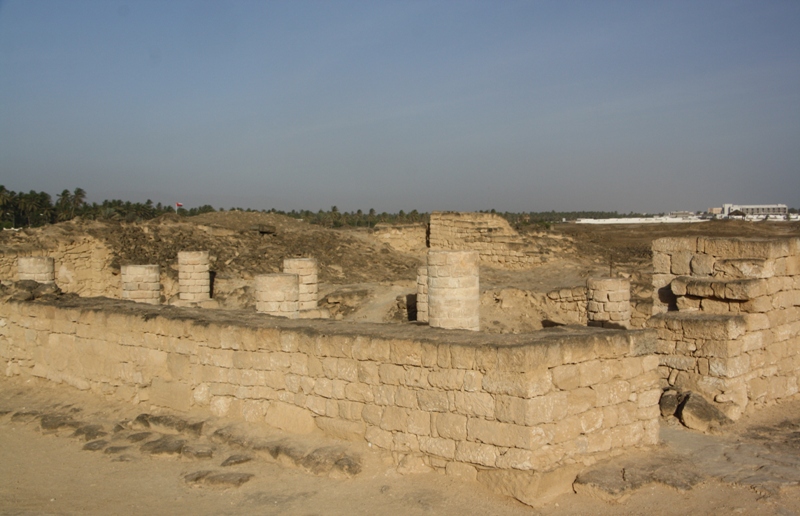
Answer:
x=178 y=204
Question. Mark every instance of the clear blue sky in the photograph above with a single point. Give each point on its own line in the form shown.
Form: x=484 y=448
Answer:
x=430 y=105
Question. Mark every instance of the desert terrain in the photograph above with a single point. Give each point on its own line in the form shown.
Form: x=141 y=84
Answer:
x=47 y=465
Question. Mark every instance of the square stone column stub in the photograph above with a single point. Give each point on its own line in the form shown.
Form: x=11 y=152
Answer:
x=609 y=302
x=422 y=294
x=453 y=289
x=194 y=278
x=141 y=283
x=278 y=294
x=308 y=283
x=37 y=268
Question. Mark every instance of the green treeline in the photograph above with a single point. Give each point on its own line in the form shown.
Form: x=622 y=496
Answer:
x=20 y=209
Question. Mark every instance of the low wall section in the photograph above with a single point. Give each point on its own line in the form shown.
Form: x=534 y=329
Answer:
x=82 y=265
x=730 y=322
x=456 y=398
x=487 y=233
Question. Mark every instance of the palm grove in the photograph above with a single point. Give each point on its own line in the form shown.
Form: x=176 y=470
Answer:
x=20 y=209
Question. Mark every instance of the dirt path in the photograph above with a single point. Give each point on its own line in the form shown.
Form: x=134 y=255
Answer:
x=49 y=471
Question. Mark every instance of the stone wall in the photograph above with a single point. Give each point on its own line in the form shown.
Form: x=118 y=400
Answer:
x=729 y=326
x=458 y=400
x=566 y=305
x=82 y=265
x=489 y=234
x=407 y=238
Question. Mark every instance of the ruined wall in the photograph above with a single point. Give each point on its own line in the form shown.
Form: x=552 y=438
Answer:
x=82 y=265
x=458 y=399
x=729 y=326
x=489 y=234
x=407 y=238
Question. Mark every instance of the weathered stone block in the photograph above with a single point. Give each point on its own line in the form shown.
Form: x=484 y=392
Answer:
x=450 y=426
x=507 y=435
x=522 y=385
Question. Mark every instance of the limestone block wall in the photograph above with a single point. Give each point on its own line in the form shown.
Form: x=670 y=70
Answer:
x=194 y=279
x=458 y=400
x=753 y=269
x=567 y=305
x=422 y=294
x=36 y=268
x=306 y=271
x=609 y=302
x=454 y=290
x=141 y=283
x=489 y=234
x=83 y=265
x=278 y=294
x=408 y=238
x=733 y=329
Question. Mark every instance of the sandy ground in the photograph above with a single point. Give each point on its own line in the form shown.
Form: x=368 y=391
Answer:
x=51 y=473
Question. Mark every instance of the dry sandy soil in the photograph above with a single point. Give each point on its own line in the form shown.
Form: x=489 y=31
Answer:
x=751 y=468
x=47 y=470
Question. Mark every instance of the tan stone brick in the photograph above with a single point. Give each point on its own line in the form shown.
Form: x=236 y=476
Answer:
x=433 y=401
x=473 y=381
x=374 y=349
x=702 y=265
x=360 y=392
x=368 y=373
x=450 y=426
x=475 y=453
x=475 y=404
x=316 y=404
x=350 y=410
x=406 y=398
x=523 y=385
x=406 y=352
x=612 y=393
x=567 y=429
x=721 y=348
x=506 y=435
x=378 y=437
x=384 y=394
x=565 y=377
x=394 y=419
x=680 y=263
x=392 y=374
x=543 y=409
x=448 y=379
x=372 y=414
x=416 y=377
x=729 y=367
x=673 y=244
x=523 y=359
x=419 y=422
x=591 y=420
x=580 y=400
x=437 y=446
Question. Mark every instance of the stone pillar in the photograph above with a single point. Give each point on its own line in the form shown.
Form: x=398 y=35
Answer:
x=36 y=268
x=306 y=270
x=141 y=283
x=194 y=279
x=278 y=294
x=453 y=289
x=609 y=302
x=422 y=294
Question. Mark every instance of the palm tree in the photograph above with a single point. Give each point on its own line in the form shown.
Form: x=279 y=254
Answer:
x=78 y=201
x=6 y=204
x=45 y=203
x=64 y=206
x=28 y=204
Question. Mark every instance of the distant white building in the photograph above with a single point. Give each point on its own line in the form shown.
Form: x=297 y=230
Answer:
x=756 y=209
